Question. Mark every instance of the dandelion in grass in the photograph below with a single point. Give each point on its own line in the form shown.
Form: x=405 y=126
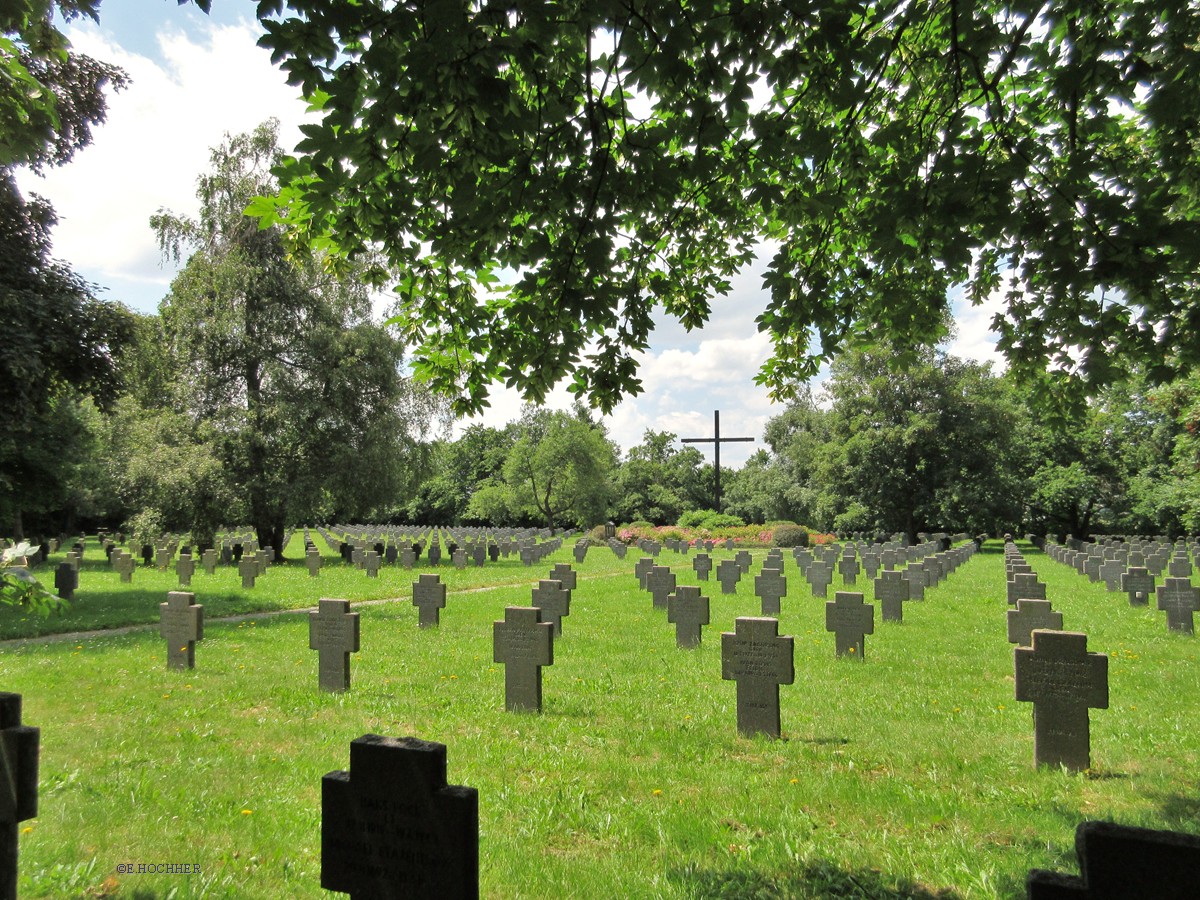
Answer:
x=794 y=781
x=27 y=829
x=657 y=792
x=247 y=812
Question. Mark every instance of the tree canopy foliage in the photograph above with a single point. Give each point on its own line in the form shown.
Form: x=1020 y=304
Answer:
x=613 y=159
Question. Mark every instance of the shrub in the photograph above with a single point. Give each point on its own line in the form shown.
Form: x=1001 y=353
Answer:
x=721 y=520
x=693 y=518
x=596 y=537
x=774 y=523
x=791 y=536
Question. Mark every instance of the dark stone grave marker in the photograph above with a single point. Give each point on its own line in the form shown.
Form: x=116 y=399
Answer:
x=729 y=573
x=392 y=828
x=702 y=565
x=1138 y=583
x=661 y=583
x=891 y=590
x=66 y=580
x=770 y=587
x=554 y=602
x=18 y=793
x=248 y=569
x=185 y=568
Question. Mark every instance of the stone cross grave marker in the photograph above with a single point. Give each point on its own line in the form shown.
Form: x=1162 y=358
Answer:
x=434 y=554
x=702 y=565
x=371 y=562
x=819 y=577
x=162 y=558
x=729 y=573
x=914 y=578
x=1111 y=571
x=408 y=557
x=181 y=624
x=850 y=620
x=580 y=552
x=564 y=573
x=1179 y=566
x=1030 y=615
x=527 y=556
x=660 y=582
x=333 y=633
x=1025 y=586
x=744 y=560
x=248 y=569
x=1138 y=583
x=756 y=657
x=313 y=560
x=687 y=610
x=1179 y=599
x=870 y=562
x=429 y=597
x=554 y=602
x=18 y=791
x=848 y=567
x=66 y=580
x=185 y=568
x=642 y=569
x=124 y=564
x=208 y=559
x=391 y=827
x=1062 y=681
x=390 y=554
x=479 y=556
x=459 y=558
x=891 y=590
x=770 y=587
x=523 y=643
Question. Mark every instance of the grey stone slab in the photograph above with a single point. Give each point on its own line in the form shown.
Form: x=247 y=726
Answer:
x=729 y=573
x=248 y=569
x=819 y=577
x=429 y=597
x=702 y=565
x=1179 y=599
x=554 y=601
x=1025 y=586
x=661 y=584
x=850 y=620
x=891 y=590
x=185 y=568
x=181 y=624
x=312 y=559
x=523 y=644
x=1030 y=615
x=1138 y=583
x=564 y=573
x=1062 y=681
x=770 y=587
x=66 y=580
x=687 y=610
x=333 y=631
x=758 y=659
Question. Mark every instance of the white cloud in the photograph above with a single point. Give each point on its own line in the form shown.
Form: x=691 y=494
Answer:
x=974 y=339
x=155 y=143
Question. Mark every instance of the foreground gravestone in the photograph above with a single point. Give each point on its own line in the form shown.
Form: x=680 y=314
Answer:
x=181 y=624
x=18 y=790
x=523 y=643
x=1031 y=615
x=1179 y=599
x=392 y=828
x=850 y=620
x=702 y=565
x=1120 y=862
x=333 y=631
x=756 y=657
x=1062 y=681
x=554 y=601
x=891 y=590
x=687 y=610
x=429 y=597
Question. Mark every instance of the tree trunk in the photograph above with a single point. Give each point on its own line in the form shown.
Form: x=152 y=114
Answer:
x=18 y=527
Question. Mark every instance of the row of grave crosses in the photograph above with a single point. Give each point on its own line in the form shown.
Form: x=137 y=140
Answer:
x=1135 y=571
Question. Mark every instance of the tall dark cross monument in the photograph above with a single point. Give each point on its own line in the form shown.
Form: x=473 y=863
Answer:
x=716 y=440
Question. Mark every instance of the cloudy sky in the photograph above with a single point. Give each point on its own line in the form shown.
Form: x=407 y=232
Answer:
x=196 y=77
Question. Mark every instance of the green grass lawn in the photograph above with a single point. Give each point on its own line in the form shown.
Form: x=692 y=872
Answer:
x=909 y=775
